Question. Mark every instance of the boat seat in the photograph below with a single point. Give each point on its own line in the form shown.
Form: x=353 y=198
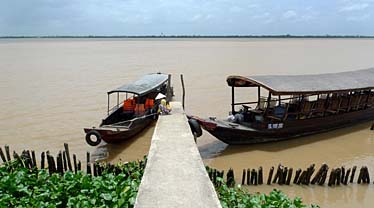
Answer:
x=275 y=118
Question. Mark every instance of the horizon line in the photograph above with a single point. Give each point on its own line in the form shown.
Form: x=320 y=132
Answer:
x=187 y=36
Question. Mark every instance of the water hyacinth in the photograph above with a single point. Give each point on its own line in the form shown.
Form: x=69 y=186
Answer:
x=116 y=187
x=22 y=187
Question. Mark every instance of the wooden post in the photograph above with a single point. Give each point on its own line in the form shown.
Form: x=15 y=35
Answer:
x=254 y=177
x=289 y=176
x=243 y=177
x=248 y=176
x=338 y=176
x=270 y=175
x=360 y=176
x=75 y=163
x=345 y=182
x=33 y=159
x=64 y=159
x=42 y=160
x=60 y=166
x=353 y=174
x=7 y=152
x=372 y=126
x=342 y=175
x=260 y=176
x=2 y=155
x=68 y=156
x=332 y=178
x=168 y=90
x=302 y=178
x=88 y=164
x=183 y=91
x=323 y=177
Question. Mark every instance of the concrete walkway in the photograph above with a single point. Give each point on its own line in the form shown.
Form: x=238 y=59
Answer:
x=175 y=175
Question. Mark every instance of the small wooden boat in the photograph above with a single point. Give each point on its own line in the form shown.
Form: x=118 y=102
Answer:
x=295 y=106
x=135 y=113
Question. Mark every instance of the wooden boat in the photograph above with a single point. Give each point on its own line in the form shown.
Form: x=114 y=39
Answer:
x=295 y=106
x=135 y=113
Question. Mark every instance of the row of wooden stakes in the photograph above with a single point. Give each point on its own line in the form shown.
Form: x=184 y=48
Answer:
x=61 y=164
x=283 y=176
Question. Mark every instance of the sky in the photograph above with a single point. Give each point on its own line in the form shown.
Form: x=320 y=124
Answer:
x=187 y=17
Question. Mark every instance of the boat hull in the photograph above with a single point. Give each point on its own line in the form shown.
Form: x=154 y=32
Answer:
x=291 y=129
x=112 y=134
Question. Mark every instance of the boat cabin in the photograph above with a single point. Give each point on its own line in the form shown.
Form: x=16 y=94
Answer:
x=135 y=99
x=282 y=98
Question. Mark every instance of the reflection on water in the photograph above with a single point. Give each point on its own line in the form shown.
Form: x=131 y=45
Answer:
x=51 y=89
x=128 y=150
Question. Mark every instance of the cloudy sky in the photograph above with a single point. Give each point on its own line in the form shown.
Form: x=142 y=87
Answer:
x=187 y=17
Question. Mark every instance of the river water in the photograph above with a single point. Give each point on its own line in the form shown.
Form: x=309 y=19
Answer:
x=51 y=89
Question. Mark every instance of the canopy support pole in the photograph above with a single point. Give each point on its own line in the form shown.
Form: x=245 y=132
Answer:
x=367 y=100
x=259 y=95
x=108 y=103
x=268 y=103
x=232 y=100
x=117 y=99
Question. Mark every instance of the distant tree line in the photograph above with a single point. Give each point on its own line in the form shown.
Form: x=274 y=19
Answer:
x=194 y=36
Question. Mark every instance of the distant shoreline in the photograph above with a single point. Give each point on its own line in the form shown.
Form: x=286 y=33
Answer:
x=193 y=36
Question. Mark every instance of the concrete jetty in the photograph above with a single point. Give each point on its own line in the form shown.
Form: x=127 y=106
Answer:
x=175 y=174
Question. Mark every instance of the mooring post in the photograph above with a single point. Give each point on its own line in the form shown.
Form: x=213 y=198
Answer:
x=183 y=91
x=260 y=176
x=270 y=175
x=75 y=163
x=353 y=174
x=243 y=177
x=248 y=176
x=289 y=176
x=7 y=152
x=68 y=156
x=346 y=176
x=297 y=175
x=34 y=159
x=2 y=155
x=88 y=164
x=168 y=90
x=42 y=160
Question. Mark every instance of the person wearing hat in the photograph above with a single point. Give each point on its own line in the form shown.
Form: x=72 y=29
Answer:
x=164 y=108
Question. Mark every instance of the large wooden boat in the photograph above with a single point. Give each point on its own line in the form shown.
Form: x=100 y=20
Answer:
x=130 y=116
x=295 y=106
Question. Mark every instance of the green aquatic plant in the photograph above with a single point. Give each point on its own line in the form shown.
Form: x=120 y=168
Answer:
x=22 y=187
x=240 y=198
x=117 y=186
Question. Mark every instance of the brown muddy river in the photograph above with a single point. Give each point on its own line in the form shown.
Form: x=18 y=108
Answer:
x=51 y=89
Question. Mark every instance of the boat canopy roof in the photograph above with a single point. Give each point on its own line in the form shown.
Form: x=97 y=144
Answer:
x=308 y=84
x=146 y=84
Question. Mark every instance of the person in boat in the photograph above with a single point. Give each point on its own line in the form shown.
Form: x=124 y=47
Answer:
x=164 y=108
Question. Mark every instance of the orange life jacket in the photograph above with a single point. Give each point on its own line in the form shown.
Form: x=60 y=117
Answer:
x=149 y=103
x=129 y=105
